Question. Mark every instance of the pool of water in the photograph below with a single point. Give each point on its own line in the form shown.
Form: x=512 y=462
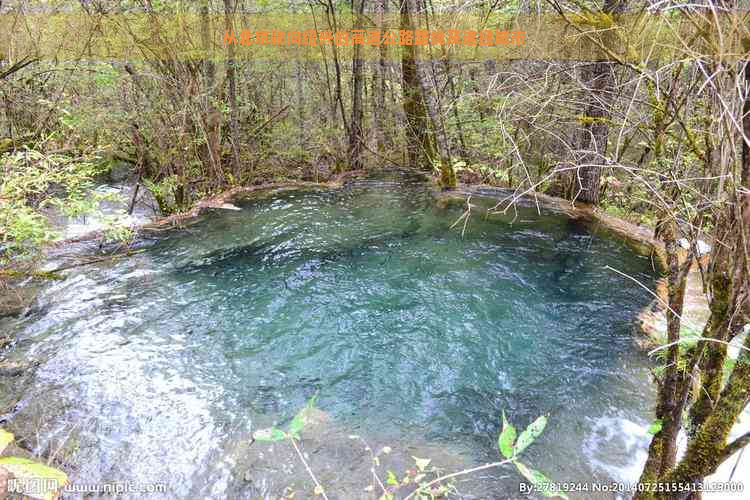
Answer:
x=153 y=368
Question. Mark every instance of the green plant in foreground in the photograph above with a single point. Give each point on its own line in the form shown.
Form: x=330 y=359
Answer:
x=49 y=480
x=31 y=182
x=299 y=421
x=510 y=447
x=429 y=484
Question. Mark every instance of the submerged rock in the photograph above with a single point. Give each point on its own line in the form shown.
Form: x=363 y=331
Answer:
x=15 y=300
x=14 y=368
x=229 y=206
x=343 y=463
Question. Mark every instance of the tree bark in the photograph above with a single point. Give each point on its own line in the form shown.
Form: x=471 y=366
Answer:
x=356 y=139
x=717 y=406
x=419 y=144
x=381 y=70
x=594 y=133
x=234 y=132
x=423 y=87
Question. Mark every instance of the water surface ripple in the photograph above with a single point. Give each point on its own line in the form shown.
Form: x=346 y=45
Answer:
x=156 y=364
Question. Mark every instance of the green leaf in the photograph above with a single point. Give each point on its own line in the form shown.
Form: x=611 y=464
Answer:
x=391 y=478
x=25 y=469
x=506 y=438
x=298 y=422
x=529 y=434
x=270 y=434
x=311 y=402
x=422 y=463
x=655 y=426
x=539 y=481
x=5 y=439
x=278 y=434
x=300 y=419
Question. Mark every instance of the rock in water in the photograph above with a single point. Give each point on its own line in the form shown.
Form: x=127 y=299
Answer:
x=229 y=206
x=13 y=368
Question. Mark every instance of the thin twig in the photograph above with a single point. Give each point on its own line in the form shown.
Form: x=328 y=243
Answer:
x=319 y=487
x=456 y=474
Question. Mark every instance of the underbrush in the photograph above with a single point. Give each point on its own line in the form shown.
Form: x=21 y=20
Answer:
x=35 y=184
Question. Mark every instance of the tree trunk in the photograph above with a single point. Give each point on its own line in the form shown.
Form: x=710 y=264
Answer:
x=431 y=106
x=234 y=131
x=300 y=106
x=454 y=105
x=717 y=405
x=211 y=125
x=592 y=137
x=356 y=140
x=379 y=83
x=419 y=145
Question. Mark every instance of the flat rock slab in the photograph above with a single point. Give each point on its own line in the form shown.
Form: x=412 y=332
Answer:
x=342 y=463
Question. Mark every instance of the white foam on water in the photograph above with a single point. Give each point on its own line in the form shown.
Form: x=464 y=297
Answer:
x=617 y=446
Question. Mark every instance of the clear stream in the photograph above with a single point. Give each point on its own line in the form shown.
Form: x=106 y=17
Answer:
x=155 y=367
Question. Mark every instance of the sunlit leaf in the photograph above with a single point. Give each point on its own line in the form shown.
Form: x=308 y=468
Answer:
x=655 y=426
x=298 y=422
x=270 y=434
x=5 y=439
x=422 y=463
x=506 y=438
x=302 y=417
x=391 y=478
x=530 y=433
x=28 y=470
x=541 y=482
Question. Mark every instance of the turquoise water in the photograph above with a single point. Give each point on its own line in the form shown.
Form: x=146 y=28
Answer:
x=406 y=330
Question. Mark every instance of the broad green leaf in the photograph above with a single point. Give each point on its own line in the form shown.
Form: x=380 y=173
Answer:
x=655 y=426
x=25 y=469
x=270 y=434
x=506 y=438
x=530 y=433
x=391 y=478
x=311 y=402
x=301 y=418
x=539 y=481
x=5 y=439
x=422 y=463
x=298 y=422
